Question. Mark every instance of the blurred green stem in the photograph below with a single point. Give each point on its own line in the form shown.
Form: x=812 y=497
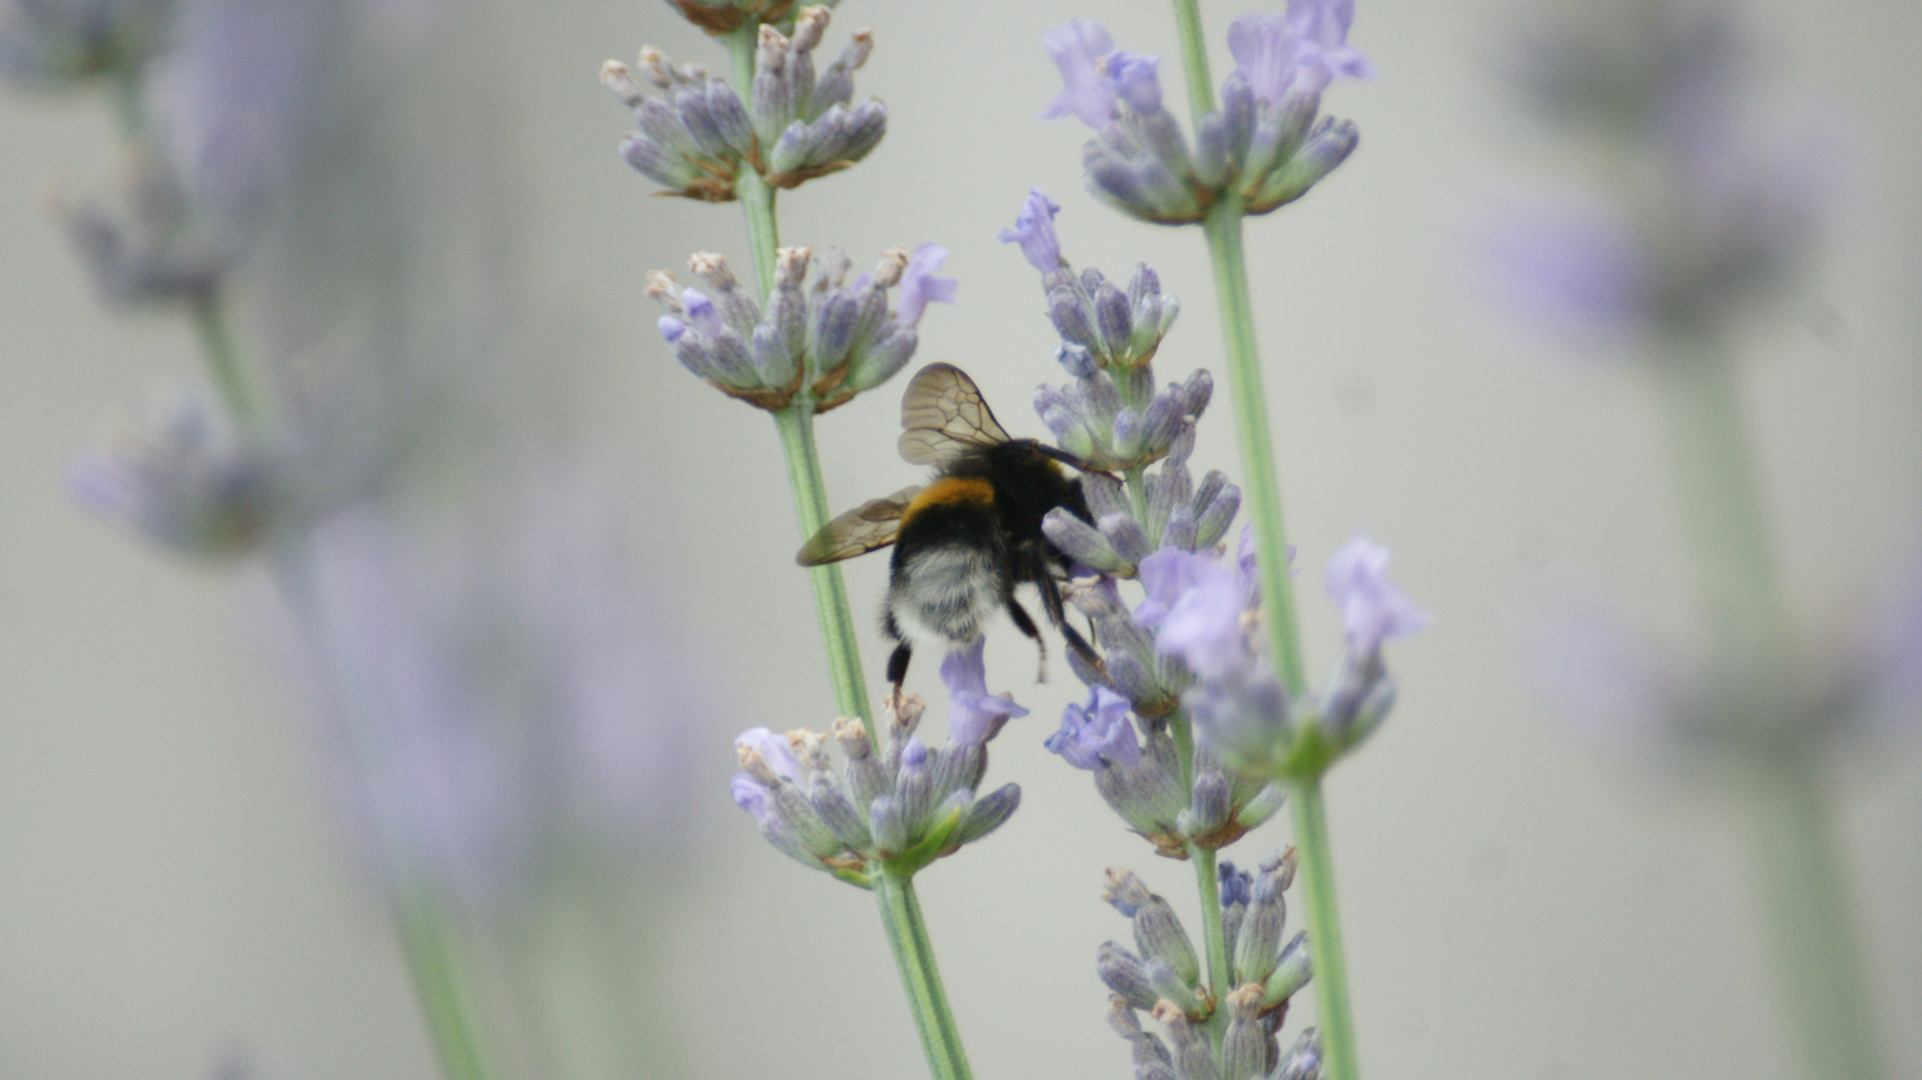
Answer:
x=914 y=955
x=1317 y=873
x=435 y=956
x=1798 y=866
x=224 y=363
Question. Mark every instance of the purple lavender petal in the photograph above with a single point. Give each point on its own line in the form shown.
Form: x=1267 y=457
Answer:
x=1322 y=51
x=974 y=715
x=1034 y=231
x=1133 y=78
x=1077 y=49
x=919 y=285
x=1372 y=608
x=1264 y=52
x=1195 y=602
x=1098 y=733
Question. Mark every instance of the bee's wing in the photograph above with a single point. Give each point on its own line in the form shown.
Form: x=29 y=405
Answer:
x=944 y=417
x=859 y=531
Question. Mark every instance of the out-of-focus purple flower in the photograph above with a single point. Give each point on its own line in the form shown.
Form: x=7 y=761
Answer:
x=1322 y=51
x=750 y=796
x=701 y=313
x=773 y=749
x=1573 y=266
x=1372 y=608
x=1134 y=79
x=494 y=689
x=1264 y=50
x=1608 y=683
x=181 y=478
x=974 y=715
x=44 y=42
x=919 y=286
x=1078 y=49
x=1098 y=733
x=1195 y=604
x=1034 y=231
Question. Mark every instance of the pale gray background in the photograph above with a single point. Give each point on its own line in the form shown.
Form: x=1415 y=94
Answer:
x=171 y=882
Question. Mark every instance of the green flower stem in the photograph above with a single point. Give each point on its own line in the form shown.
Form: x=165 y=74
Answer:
x=1803 y=882
x=1317 y=875
x=796 y=425
x=1194 y=57
x=1262 y=484
x=434 y=953
x=224 y=363
x=757 y=198
x=1806 y=902
x=893 y=892
x=1208 y=889
x=914 y=955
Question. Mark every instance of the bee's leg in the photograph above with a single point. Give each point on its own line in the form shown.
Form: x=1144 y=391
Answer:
x=1026 y=625
x=898 y=666
x=1051 y=602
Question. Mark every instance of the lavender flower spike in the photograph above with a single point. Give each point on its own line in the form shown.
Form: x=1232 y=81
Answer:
x=1078 y=49
x=974 y=715
x=919 y=285
x=1034 y=231
x=1098 y=733
x=1372 y=609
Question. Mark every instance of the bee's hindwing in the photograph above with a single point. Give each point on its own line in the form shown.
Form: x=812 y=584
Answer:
x=944 y=417
x=871 y=525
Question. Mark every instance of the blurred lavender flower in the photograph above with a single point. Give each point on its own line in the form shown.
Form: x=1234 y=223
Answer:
x=834 y=337
x=1372 y=608
x=902 y=804
x=1097 y=732
x=1163 y=975
x=501 y=697
x=699 y=133
x=1263 y=147
x=1715 y=196
x=54 y=42
x=180 y=477
x=146 y=243
x=1034 y=231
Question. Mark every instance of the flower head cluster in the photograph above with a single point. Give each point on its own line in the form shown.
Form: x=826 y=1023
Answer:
x=181 y=478
x=145 y=242
x=1264 y=146
x=1714 y=198
x=829 y=337
x=1163 y=976
x=903 y=804
x=1111 y=417
x=1208 y=614
x=50 y=42
x=698 y=134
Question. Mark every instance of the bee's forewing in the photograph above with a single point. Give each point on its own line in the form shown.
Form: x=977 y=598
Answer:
x=862 y=529
x=943 y=417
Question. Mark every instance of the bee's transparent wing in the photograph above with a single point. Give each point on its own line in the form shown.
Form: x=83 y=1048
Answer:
x=944 y=417
x=859 y=531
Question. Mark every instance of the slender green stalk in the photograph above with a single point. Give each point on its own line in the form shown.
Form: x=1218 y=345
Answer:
x=757 y=198
x=1317 y=875
x=1803 y=882
x=907 y=933
x=1805 y=899
x=1194 y=58
x=434 y=957
x=796 y=425
x=224 y=363
x=1213 y=936
x=1262 y=481
x=914 y=955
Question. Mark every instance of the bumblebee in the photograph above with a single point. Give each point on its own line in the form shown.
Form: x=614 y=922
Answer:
x=964 y=540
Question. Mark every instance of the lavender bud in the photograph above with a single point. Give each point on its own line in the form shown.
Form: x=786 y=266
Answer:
x=879 y=362
x=1261 y=806
x=1114 y=319
x=1292 y=972
x=865 y=126
x=793 y=149
x=957 y=767
x=1080 y=541
x=1132 y=680
x=1159 y=936
x=1258 y=948
x=1211 y=150
x=1105 y=495
x=833 y=331
x=1072 y=320
x=913 y=795
x=1218 y=513
x=1162 y=422
x=986 y=815
x=1078 y=361
x=890 y=833
x=1170 y=987
x=1303 y=1060
x=734 y=358
x=1180 y=530
x=807 y=825
x=1123 y=972
x=832 y=804
x=1327 y=147
x=1244 y=1047
x=1210 y=809
x=1127 y=537
x=1193 y=1058
x=664 y=168
x=730 y=118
